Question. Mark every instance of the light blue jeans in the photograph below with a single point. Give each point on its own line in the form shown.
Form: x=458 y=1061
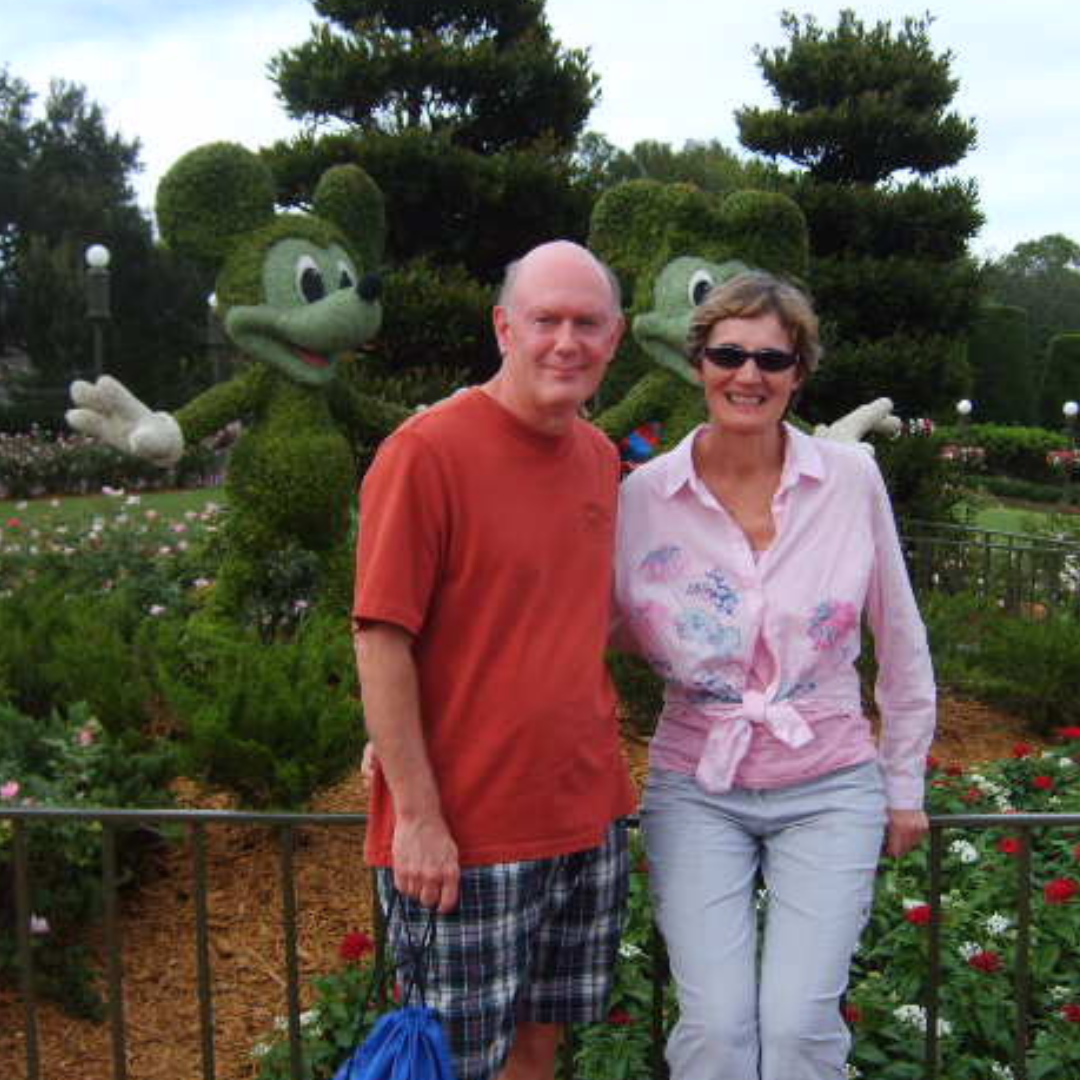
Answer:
x=768 y=1013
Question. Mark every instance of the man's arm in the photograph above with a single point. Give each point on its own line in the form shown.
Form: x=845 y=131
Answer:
x=424 y=853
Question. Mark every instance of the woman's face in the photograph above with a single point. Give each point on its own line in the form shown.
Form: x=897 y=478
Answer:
x=747 y=399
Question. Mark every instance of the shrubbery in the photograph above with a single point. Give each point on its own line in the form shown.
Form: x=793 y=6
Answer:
x=66 y=758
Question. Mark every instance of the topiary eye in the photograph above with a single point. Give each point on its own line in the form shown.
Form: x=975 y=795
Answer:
x=346 y=276
x=700 y=284
x=309 y=279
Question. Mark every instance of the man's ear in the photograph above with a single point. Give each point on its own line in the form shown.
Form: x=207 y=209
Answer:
x=500 y=319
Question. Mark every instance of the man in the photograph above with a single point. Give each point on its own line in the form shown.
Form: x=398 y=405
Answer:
x=482 y=605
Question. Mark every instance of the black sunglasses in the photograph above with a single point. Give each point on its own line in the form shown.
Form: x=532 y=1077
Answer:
x=732 y=357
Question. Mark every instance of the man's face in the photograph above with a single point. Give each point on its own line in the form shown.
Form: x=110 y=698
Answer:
x=558 y=330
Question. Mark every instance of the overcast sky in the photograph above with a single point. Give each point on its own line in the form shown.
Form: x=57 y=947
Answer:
x=178 y=75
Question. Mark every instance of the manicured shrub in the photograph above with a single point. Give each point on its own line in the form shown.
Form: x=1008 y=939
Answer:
x=273 y=721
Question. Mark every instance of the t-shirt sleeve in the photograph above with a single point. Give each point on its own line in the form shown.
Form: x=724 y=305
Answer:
x=401 y=541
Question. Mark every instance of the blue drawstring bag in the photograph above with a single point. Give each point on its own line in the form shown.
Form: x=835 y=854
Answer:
x=409 y=1043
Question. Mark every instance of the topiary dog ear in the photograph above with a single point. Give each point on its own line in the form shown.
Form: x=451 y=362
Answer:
x=210 y=198
x=347 y=197
x=639 y=226
x=768 y=230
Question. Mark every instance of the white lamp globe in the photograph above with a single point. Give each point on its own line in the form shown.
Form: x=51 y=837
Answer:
x=963 y=407
x=97 y=256
x=1070 y=409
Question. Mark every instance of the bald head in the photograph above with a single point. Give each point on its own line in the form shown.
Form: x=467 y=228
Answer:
x=556 y=257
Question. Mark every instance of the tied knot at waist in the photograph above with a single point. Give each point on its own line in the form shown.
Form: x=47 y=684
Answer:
x=731 y=731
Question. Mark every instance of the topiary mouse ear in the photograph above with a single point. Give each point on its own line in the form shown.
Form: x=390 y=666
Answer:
x=210 y=198
x=767 y=229
x=348 y=198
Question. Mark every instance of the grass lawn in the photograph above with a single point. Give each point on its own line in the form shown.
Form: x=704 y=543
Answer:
x=78 y=511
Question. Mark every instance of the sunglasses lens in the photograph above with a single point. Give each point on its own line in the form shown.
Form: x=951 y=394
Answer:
x=774 y=359
x=726 y=356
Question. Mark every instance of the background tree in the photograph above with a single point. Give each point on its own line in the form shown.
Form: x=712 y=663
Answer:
x=1062 y=376
x=65 y=184
x=998 y=352
x=1042 y=277
x=465 y=112
x=858 y=109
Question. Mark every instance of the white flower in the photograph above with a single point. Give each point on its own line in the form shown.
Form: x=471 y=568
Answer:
x=133 y=500
x=1060 y=993
x=967 y=949
x=309 y=1018
x=260 y=1050
x=853 y=1072
x=39 y=924
x=157 y=609
x=629 y=951
x=21 y=504
x=966 y=851
x=1000 y=1072
x=915 y=1016
x=997 y=924
x=909 y=903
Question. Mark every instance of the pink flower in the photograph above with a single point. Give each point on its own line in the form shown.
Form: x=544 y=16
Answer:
x=86 y=736
x=9 y=790
x=619 y=1017
x=39 y=924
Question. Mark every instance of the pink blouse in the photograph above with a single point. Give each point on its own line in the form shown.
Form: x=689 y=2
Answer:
x=758 y=653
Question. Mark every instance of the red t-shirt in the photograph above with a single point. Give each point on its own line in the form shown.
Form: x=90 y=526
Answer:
x=494 y=545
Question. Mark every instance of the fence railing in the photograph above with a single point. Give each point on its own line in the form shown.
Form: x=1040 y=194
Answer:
x=1019 y=570
x=285 y=826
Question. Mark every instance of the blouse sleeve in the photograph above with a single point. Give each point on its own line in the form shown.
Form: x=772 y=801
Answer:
x=904 y=692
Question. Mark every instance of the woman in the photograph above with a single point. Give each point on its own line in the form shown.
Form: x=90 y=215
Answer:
x=748 y=555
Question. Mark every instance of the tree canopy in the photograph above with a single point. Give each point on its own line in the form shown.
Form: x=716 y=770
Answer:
x=65 y=184
x=857 y=104
x=465 y=112
x=859 y=109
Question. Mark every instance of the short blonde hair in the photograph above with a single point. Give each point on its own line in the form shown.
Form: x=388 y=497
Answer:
x=754 y=293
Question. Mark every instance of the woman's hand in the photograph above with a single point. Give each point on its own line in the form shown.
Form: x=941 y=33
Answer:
x=906 y=829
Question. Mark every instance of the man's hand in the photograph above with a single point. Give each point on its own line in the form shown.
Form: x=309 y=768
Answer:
x=108 y=411
x=906 y=829
x=852 y=428
x=426 y=863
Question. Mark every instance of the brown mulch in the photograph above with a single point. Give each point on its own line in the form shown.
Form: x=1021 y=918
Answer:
x=247 y=945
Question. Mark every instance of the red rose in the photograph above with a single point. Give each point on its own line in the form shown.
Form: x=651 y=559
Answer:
x=355 y=945
x=1071 y=1013
x=1076 y=851
x=852 y=1014
x=1010 y=845
x=987 y=961
x=1060 y=890
x=14 y=523
x=1043 y=783
x=619 y=1017
x=932 y=762
x=919 y=915
x=972 y=795
x=1023 y=750
x=1069 y=732
x=954 y=770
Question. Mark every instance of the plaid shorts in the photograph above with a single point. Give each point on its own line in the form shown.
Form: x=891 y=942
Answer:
x=534 y=941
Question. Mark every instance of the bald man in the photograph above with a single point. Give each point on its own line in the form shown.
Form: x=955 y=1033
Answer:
x=484 y=573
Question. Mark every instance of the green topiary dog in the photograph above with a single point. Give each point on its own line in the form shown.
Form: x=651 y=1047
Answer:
x=296 y=293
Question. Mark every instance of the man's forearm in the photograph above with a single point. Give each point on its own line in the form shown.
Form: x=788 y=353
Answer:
x=390 y=688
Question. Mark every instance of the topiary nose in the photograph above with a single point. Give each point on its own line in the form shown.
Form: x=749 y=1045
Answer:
x=370 y=288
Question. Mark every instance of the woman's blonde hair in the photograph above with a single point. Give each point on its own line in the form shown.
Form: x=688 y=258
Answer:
x=754 y=293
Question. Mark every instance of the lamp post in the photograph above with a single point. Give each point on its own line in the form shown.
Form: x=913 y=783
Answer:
x=97 y=299
x=216 y=341
x=1069 y=411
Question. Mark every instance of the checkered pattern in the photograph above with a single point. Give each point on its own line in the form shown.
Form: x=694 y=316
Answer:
x=532 y=940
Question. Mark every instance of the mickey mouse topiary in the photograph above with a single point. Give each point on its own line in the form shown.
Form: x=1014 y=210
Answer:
x=296 y=293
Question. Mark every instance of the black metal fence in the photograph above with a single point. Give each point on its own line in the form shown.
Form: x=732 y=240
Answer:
x=285 y=827
x=1023 y=572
